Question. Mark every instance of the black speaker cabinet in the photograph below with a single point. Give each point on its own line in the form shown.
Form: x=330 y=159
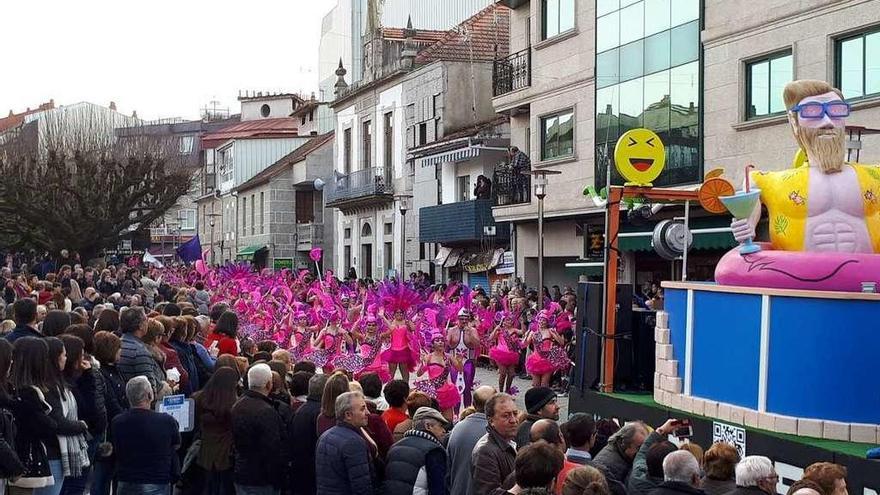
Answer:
x=589 y=323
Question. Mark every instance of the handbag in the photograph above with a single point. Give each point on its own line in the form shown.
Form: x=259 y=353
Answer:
x=35 y=460
x=192 y=453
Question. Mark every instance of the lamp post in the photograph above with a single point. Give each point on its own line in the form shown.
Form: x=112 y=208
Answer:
x=212 y=216
x=540 y=185
x=403 y=206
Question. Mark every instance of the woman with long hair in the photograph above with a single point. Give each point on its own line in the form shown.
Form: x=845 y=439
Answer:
x=224 y=338
x=108 y=321
x=336 y=385
x=86 y=387
x=55 y=323
x=172 y=358
x=214 y=420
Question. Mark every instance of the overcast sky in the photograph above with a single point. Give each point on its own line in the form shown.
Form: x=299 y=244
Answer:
x=162 y=58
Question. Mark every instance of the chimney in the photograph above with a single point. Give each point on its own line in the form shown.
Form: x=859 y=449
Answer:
x=113 y=106
x=408 y=54
x=340 y=78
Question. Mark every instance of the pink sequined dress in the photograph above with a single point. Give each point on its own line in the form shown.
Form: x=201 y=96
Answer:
x=506 y=351
x=547 y=357
x=438 y=386
x=403 y=348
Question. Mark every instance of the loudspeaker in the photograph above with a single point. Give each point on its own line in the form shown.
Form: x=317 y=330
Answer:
x=589 y=330
x=644 y=322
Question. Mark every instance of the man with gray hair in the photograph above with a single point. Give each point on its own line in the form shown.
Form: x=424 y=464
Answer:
x=462 y=440
x=342 y=461
x=681 y=475
x=304 y=429
x=144 y=444
x=417 y=463
x=755 y=475
x=260 y=459
x=617 y=456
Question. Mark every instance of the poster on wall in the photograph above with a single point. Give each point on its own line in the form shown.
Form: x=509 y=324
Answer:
x=594 y=242
x=506 y=266
x=279 y=264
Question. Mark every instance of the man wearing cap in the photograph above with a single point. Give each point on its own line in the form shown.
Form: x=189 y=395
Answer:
x=464 y=341
x=540 y=404
x=417 y=463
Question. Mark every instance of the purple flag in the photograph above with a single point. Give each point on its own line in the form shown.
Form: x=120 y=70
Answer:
x=190 y=250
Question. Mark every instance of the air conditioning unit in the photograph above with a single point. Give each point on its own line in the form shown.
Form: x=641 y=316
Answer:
x=489 y=230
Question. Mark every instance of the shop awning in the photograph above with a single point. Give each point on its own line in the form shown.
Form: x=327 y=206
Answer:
x=712 y=240
x=579 y=268
x=249 y=252
x=450 y=156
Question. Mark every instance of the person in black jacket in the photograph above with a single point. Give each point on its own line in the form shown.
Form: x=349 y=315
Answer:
x=257 y=433
x=106 y=352
x=419 y=451
x=342 y=460
x=681 y=475
x=25 y=314
x=304 y=429
x=10 y=464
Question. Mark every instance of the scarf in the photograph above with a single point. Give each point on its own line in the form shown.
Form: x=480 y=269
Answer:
x=74 y=449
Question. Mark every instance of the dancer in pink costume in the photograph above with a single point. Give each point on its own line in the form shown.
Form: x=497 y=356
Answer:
x=401 y=354
x=301 y=336
x=438 y=385
x=328 y=343
x=464 y=341
x=507 y=339
x=548 y=354
x=370 y=352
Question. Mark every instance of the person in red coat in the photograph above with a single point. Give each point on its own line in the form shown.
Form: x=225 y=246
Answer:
x=223 y=339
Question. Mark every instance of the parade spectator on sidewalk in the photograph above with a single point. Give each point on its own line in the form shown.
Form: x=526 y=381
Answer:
x=396 y=392
x=719 y=462
x=213 y=418
x=755 y=475
x=681 y=475
x=831 y=477
x=537 y=466
x=135 y=359
x=257 y=432
x=585 y=480
x=647 y=469
x=304 y=429
x=462 y=440
x=24 y=312
x=540 y=404
x=495 y=453
x=417 y=463
x=343 y=462
x=580 y=435
x=617 y=457
x=145 y=444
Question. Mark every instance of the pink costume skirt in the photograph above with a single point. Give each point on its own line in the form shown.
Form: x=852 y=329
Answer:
x=448 y=396
x=504 y=356
x=539 y=365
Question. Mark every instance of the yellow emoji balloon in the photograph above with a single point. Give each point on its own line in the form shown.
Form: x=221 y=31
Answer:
x=639 y=157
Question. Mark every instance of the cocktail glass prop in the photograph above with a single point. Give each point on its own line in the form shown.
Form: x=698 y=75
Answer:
x=741 y=205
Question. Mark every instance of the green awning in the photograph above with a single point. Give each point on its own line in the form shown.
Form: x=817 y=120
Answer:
x=576 y=271
x=715 y=240
x=248 y=252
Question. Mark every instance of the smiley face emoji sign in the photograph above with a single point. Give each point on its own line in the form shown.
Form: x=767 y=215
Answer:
x=639 y=157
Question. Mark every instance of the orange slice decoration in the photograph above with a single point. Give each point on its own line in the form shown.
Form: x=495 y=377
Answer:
x=715 y=172
x=711 y=190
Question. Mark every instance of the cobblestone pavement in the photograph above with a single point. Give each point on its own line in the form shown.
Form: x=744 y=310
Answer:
x=488 y=376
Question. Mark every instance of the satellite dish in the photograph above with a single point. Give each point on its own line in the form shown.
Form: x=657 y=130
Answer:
x=319 y=184
x=671 y=238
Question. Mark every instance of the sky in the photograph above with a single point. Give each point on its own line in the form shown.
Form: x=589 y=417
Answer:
x=161 y=58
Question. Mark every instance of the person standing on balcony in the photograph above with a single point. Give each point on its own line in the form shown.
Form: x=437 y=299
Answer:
x=522 y=167
x=483 y=189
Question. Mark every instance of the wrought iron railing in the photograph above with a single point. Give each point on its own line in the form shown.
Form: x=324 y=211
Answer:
x=512 y=72
x=371 y=181
x=510 y=187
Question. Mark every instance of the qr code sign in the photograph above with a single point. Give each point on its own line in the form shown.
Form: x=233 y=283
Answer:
x=730 y=434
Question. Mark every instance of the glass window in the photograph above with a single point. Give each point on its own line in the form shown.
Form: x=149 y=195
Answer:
x=557 y=17
x=685 y=42
x=624 y=3
x=656 y=115
x=684 y=11
x=607 y=68
x=858 y=65
x=607 y=32
x=631 y=107
x=607 y=114
x=557 y=133
x=631 y=60
x=605 y=6
x=765 y=81
x=656 y=16
x=657 y=52
x=632 y=23
x=684 y=87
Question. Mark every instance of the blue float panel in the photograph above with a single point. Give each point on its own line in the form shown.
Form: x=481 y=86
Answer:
x=675 y=303
x=823 y=359
x=726 y=346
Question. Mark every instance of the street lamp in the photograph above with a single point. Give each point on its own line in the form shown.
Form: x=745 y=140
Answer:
x=212 y=216
x=540 y=184
x=403 y=205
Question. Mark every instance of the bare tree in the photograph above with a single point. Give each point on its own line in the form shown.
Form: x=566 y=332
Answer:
x=74 y=183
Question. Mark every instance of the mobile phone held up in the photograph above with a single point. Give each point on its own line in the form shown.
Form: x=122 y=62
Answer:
x=682 y=429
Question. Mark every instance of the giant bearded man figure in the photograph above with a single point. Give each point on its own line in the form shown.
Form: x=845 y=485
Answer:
x=824 y=218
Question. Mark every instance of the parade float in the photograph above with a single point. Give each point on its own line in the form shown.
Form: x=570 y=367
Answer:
x=776 y=355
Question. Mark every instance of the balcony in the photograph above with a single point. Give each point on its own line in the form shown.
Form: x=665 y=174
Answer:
x=510 y=188
x=309 y=235
x=361 y=189
x=465 y=221
x=512 y=72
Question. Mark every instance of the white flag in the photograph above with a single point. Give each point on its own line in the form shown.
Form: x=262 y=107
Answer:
x=149 y=258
